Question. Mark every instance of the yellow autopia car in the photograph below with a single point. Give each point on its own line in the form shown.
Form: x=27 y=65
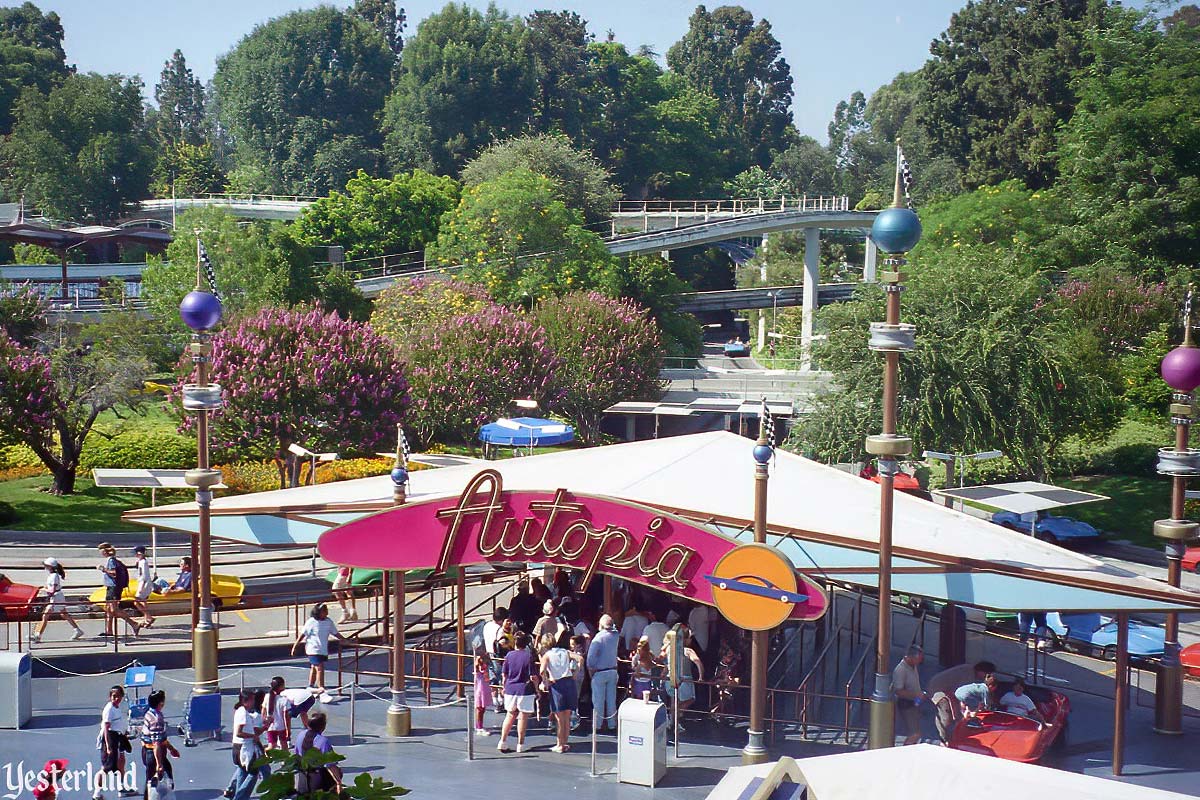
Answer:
x=226 y=590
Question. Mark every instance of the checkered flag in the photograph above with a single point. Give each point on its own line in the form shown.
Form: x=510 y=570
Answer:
x=906 y=176
x=767 y=423
x=209 y=273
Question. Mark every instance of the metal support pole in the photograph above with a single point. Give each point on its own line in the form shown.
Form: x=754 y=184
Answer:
x=470 y=725
x=755 y=751
x=1120 y=697
x=675 y=710
x=460 y=600
x=399 y=717
x=595 y=723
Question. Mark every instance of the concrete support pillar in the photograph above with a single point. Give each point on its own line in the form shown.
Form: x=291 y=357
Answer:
x=762 y=267
x=666 y=255
x=762 y=331
x=872 y=253
x=630 y=428
x=812 y=277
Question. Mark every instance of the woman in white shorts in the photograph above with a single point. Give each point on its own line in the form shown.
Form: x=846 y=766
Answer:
x=56 y=600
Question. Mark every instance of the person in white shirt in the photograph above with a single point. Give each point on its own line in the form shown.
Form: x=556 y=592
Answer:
x=700 y=623
x=145 y=585
x=113 y=744
x=247 y=747
x=280 y=706
x=491 y=632
x=631 y=629
x=655 y=631
x=56 y=601
x=1015 y=701
x=315 y=634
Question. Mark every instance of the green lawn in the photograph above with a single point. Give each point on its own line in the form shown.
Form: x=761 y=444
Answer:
x=89 y=509
x=1136 y=502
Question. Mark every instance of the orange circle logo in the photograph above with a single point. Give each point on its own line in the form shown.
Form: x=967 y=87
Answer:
x=754 y=587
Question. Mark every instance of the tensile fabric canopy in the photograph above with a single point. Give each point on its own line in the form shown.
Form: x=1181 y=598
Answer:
x=526 y=432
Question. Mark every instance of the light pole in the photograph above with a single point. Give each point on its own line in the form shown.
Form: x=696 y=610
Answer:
x=399 y=717
x=201 y=312
x=896 y=230
x=1181 y=371
x=755 y=751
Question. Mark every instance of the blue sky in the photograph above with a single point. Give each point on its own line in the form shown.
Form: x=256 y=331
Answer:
x=833 y=48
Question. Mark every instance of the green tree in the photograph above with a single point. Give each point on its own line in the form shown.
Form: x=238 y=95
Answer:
x=558 y=42
x=81 y=151
x=805 y=167
x=379 y=216
x=516 y=238
x=466 y=79
x=995 y=367
x=999 y=85
x=248 y=277
x=31 y=56
x=383 y=16
x=891 y=114
x=1128 y=155
x=683 y=152
x=609 y=351
x=300 y=97
x=649 y=282
x=180 y=99
x=622 y=89
x=189 y=170
x=54 y=386
x=581 y=181
x=407 y=308
x=730 y=56
x=756 y=182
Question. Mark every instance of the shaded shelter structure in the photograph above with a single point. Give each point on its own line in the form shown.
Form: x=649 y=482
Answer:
x=824 y=520
x=63 y=239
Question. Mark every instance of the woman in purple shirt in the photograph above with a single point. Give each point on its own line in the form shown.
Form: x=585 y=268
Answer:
x=520 y=687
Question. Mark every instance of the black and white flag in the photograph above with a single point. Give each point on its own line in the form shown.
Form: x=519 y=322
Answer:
x=906 y=176
x=768 y=424
x=209 y=273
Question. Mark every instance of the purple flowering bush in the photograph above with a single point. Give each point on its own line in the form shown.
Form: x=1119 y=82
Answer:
x=305 y=377
x=610 y=350
x=1119 y=309
x=467 y=371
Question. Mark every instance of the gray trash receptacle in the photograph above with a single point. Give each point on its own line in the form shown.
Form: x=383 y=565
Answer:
x=641 y=742
x=16 y=689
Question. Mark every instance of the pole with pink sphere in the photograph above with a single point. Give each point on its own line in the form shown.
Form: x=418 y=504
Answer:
x=1181 y=371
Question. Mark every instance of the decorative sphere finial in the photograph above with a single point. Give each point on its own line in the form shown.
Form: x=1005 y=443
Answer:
x=763 y=453
x=200 y=311
x=896 y=230
x=1181 y=368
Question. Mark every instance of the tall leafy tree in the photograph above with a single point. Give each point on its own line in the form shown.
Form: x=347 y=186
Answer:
x=999 y=85
x=516 y=238
x=300 y=96
x=81 y=151
x=805 y=167
x=180 y=98
x=727 y=54
x=31 y=56
x=558 y=41
x=379 y=216
x=581 y=180
x=385 y=17
x=466 y=79
x=1129 y=154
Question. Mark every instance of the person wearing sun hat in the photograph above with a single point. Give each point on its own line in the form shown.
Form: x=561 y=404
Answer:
x=56 y=601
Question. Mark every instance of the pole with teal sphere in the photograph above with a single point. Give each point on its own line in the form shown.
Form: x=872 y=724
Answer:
x=1181 y=371
x=896 y=230
x=399 y=718
x=755 y=751
x=201 y=311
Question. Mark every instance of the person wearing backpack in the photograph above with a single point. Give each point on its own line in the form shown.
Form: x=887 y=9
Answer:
x=327 y=778
x=116 y=580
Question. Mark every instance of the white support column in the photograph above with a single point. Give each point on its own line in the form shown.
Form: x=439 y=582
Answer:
x=812 y=277
x=872 y=253
x=762 y=330
x=762 y=268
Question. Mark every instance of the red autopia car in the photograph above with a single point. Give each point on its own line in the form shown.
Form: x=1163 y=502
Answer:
x=1012 y=736
x=16 y=600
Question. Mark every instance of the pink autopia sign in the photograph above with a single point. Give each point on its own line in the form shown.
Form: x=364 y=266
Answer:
x=596 y=535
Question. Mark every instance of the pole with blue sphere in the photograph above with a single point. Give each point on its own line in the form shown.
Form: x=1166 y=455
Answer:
x=755 y=751
x=896 y=230
x=399 y=717
x=201 y=311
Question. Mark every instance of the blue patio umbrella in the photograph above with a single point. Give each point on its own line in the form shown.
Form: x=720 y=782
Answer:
x=526 y=432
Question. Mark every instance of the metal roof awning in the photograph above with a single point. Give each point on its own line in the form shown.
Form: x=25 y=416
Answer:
x=719 y=405
x=825 y=520
x=143 y=479
x=1021 y=497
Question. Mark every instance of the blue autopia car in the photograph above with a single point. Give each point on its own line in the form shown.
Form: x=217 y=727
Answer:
x=1091 y=632
x=1055 y=530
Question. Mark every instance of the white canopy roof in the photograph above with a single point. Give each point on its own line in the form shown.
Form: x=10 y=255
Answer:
x=1021 y=497
x=830 y=517
x=925 y=770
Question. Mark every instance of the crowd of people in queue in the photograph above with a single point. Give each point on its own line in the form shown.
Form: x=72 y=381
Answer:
x=551 y=653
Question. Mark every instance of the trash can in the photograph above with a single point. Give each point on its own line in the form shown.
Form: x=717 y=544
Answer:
x=16 y=689
x=641 y=742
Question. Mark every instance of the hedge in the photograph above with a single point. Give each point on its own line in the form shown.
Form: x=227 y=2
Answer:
x=139 y=450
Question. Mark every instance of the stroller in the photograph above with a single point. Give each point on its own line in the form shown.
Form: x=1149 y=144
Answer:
x=139 y=683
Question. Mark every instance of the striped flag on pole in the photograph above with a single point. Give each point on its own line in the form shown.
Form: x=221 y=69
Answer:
x=906 y=176
x=768 y=424
x=209 y=273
